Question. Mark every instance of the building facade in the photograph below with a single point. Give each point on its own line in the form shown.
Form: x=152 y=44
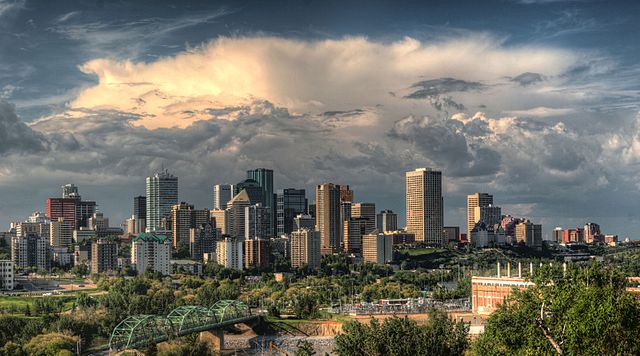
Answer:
x=377 y=248
x=256 y=222
x=305 y=249
x=7 y=275
x=256 y=254
x=529 y=233
x=424 y=205
x=162 y=195
x=328 y=217
x=104 y=256
x=354 y=229
x=61 y=233
x=473 y=201
x=31 y=250
x=202 y=240
x=387 y=220
x=229 y=252
x=184 y=217
x=264 y=177
x=290 y=203
x=151 y=252
x=236 y=214
x=366 y=211
x=221 y=196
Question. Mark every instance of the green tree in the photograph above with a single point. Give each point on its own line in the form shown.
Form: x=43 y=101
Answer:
x=304 y=348
x=584 y=311
x=50 y=344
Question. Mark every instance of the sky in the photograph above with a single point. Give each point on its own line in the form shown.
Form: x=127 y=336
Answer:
x=534 y=101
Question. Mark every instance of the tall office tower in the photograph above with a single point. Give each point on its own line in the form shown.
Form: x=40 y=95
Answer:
x=30 y=250
x=70 y=191
x=62 y=208
x=221 y=195
x=556 y=234
x=140 y=207
x=61 y=233
x=305 y=249
x=592 y=233
x=98 y=222
x=289 y=204
x=304 y=222
x=424 y=205
x=162 y=195
x=387 y=220
x=151 y=251
x=184 y=217
x=264 y=177
x=256 y=222
x=221 y=219
x=377 y=248
x=254 y=191
x=202 y=240
x=354 y=229
x=229 y=252
x=529 y=233
x=104 y=256
x=473 y=201
x=365 y=211
x=346 y=194
x=84 y=211
x=328 y=217
x=256 y=254
x=489 y=215
x=235 y=214
x=312 y=210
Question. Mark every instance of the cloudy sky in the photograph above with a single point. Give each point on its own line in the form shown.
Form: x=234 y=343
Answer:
x=535 y=101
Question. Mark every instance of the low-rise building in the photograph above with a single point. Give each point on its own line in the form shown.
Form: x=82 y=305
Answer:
x=186 y=267
x=7 y=275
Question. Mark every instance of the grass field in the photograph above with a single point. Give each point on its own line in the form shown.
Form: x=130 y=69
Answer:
x=18 y=303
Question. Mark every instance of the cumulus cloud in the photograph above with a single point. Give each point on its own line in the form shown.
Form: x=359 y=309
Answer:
x=307 y=76
x=15 y=136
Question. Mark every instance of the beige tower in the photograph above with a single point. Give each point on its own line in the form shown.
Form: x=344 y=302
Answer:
x=185 y=217
x=366 y=211
x=474 y=201
x=328 y=217
x=425 y=213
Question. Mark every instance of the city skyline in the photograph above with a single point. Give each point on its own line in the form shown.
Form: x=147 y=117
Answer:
x=552 y=131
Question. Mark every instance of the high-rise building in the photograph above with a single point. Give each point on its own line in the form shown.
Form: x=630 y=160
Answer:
x=98 y=223
x=229 y=252
x=592 y=233
x=221 y=195
x=290 y=203
x=162 y=195
x=235 y=214
x=202 y=240
x=61 y=233
x=31 y=250
x=104 y=256
x=328 y=217
x=473 y=201
x=140 y=207
x=185 y=217
x=304 y=222
x=489 y=215
x=264 y=177
x=305 y=249
x=312 y=210
x=84 y=211
x=346 y=194
x=377 y=248
x=7 y=276
x=387 y=220
x=557 y=234
x=256 y=254
x=221 y=219
x=254 y=191
x=424 y=205
x=354 y=229
x=256 y=222
x=151 y=252
x=529 y=233
x=365 y=211
x=62 y=208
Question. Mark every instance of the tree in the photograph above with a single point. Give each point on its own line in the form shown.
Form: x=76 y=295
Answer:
x=585 y=311
x=50 y=344
x=305 y=348
x=403 y=336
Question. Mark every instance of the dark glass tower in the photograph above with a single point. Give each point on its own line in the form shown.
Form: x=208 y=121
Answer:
x=264 y=177
x=290 y=202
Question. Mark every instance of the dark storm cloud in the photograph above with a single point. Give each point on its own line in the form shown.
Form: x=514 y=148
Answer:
x=527 y=78
x=15 y=136
x=435 y=87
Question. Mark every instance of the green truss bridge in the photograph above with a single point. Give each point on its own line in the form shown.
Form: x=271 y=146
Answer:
x=139 y=330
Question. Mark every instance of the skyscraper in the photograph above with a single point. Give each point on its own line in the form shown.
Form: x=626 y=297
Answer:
x=162 y=194
x=61 y=233
x=473 y=201
x=354 y=228
x=290 y=203
x=202 y=240
x=424 y=205
x=256 y=254
x=151 y=251
x=140 y=207
x=31 y=250
x=489 y=215
x=235 y=214
x=185 y=217
x=70 y=191
x=529 y=233
x=328 y=217
x=377 y=248
x=365 y=211
x=387 y=220
x=222 y=193
x=256 y=222
x=253 y=189
x=104 y=256
x=264 y=177
x=62 y=208
x=305 y=249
